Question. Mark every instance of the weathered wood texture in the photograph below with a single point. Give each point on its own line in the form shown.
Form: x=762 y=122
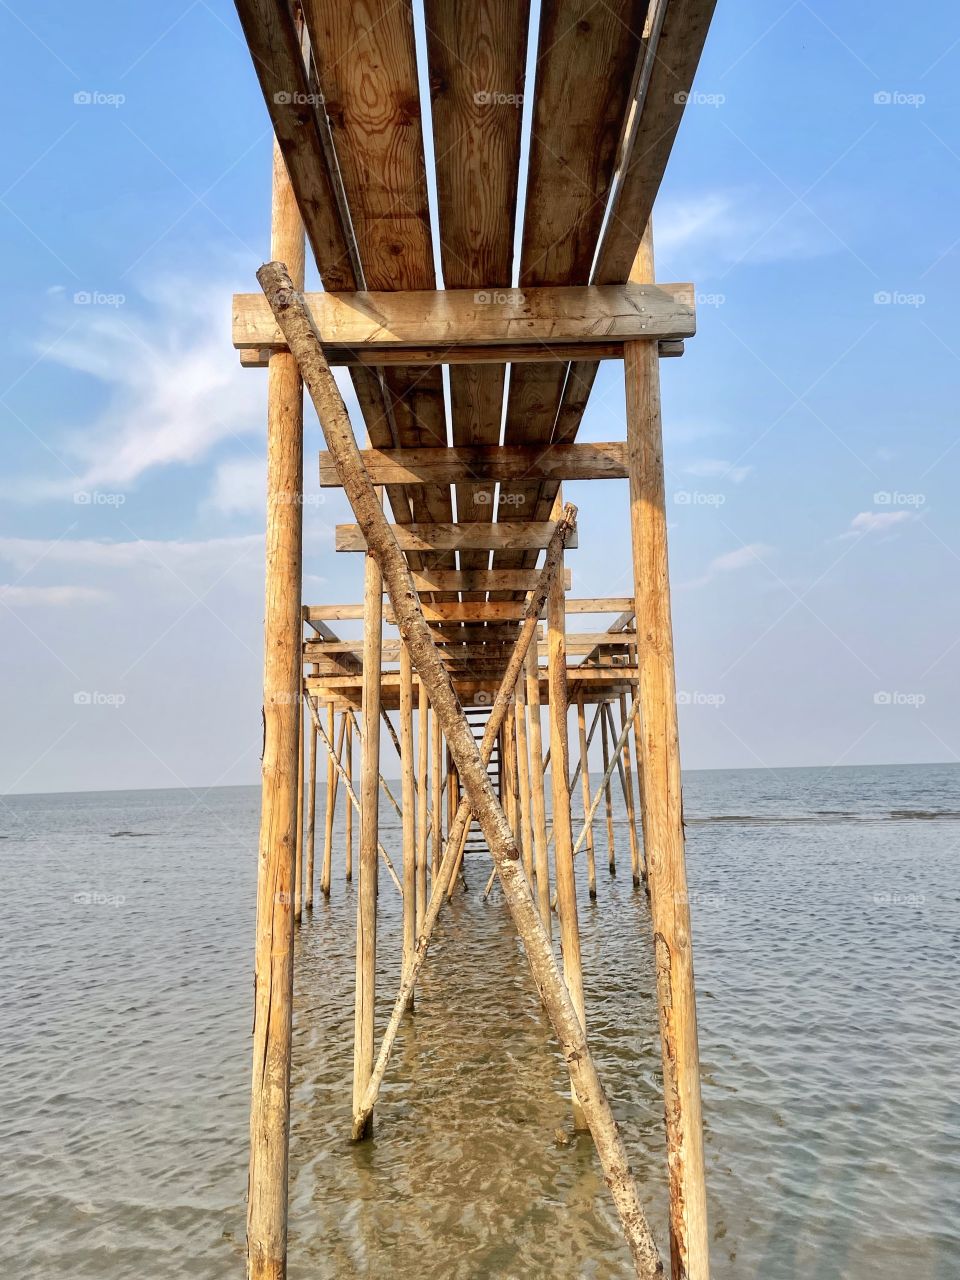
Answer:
x=487 y=464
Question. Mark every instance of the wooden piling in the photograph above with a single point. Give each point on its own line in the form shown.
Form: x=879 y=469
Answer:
x=348 y=814
x=607 y=793
x=311 y=810
x=585 y=787
x=325 y=873
x=436 y=805
x=282 y=675
x=423 y=753
x=523 y=759
x=662 y=811
x=298 y=867
x=537 y=799
x=369 y=835
x=408 y=801
x=636 y=862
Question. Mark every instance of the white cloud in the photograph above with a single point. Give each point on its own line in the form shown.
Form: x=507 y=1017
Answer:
x=17 y=596
x=139 y=553
x=879 y=521
x=707 y=468
x=172 y=381
x=739 y=225
x=239 y=487
x=740 y=558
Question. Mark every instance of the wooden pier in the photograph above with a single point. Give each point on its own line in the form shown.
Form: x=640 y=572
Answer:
x=460 y=520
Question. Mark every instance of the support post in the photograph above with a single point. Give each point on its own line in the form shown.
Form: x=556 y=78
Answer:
x=662 y=809
x=408 y=801
x=348 y=813
x=636 y=862
x=369 y=832
x=541 y=857
x=607 y=793
x=311 y=811
x=436 y=807
x=560 y=791
x=328 y=811
x=282 y=675
x=423 y=753
x=298 y=869
x=523 y=758
x=585 y=786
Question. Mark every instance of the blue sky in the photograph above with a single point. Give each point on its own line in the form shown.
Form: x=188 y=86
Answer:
x=811 y=428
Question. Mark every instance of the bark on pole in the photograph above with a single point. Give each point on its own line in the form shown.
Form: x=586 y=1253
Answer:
x=408 y=800
x=662 y=805
x=523 y=757
x=282 y=672
x=304 y=343
x=298 y=869
x=436 y=806
x=541 y=863
x=363 y=1044
x=325 y=873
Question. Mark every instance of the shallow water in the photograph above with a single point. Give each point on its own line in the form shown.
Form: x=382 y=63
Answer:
x=826 y=908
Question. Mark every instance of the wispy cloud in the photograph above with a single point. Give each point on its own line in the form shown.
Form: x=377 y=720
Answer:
x=710 y=468
x=730 y=561
x=239 y=487
x=870 y=522
x=17 y=596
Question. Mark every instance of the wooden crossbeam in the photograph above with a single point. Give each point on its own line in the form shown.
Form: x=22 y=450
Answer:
x=391 y=679
x=585 y=644
x=481 y=580
x=487 y=464
x=435 y=321
x=531 y=535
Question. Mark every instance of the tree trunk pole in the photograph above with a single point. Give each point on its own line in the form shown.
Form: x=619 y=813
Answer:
x=408 y=800
x=369 y=831
x=311 y=812
x=662 y=805
x=423 y=754
x=348 y=815
x=608 y=794
x=523 y=757
x=325 y=873
x=298 y=869
x=436 y=811
x=560 y=791
x=636 y=863
x=541 y=856
x=282 y=675
x=585 y=787
x=297 y=326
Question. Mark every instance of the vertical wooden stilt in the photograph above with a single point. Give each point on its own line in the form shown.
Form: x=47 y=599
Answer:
x=662 y=812
x=509 y=751
x=348 y=813
x=523 y=761
x=298 y=869
x=560 y=791
x=311 y=809
x=423 y=751
x=436 y=807
x=541 y=859
x=408 y=803
x=636 y=864
x=325 y=873
x=587 y=797
x=607 y=794
x=369 y=835
x=282 y=675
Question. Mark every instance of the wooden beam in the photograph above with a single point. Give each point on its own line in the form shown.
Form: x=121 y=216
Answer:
x=391 y=680
x=600 y=604
x=532 y=535
x=481 y=580
x=486 y=464
x=434 y=321
x=408 y=819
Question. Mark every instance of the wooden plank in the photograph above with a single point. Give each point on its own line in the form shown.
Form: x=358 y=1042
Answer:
x=480 y=580
x=442 y=318
x=426 y=538
x=600 y=604
x=486 y=465
x=391 y=679
x=472 y=368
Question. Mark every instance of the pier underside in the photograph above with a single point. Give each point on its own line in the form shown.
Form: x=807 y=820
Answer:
x=474 y=657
